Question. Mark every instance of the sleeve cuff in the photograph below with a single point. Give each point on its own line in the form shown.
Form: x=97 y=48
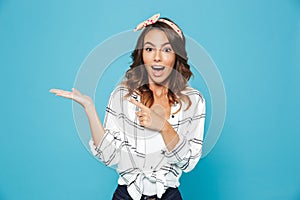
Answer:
x=104 y=143
x=179 y=152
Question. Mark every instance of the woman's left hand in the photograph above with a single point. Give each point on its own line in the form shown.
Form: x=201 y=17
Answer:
x=152 y=118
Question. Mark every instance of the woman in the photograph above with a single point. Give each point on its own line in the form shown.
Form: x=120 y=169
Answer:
x=154 y=121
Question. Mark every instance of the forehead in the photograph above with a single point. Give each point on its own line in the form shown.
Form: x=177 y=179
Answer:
x=156 y=37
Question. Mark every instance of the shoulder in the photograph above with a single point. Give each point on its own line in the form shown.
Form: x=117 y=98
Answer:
x=194 y=95
x=120 y=90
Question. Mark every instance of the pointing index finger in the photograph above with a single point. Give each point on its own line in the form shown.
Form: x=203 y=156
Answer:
x=138 y=104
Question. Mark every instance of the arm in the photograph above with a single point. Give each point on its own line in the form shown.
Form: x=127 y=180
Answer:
x=87 y=103
x=104 y=142
x=151 y=118
x=183 y=149
x=169 y=135
x=96 y=127
x=108 y=149
x=177 y=145
x=188 y=151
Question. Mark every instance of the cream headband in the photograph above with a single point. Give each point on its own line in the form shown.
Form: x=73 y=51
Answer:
x=154 y=19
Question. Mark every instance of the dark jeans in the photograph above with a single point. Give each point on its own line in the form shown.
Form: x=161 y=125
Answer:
x=170 y=194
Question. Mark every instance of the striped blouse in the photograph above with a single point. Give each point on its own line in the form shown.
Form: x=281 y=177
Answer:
x=140 y=153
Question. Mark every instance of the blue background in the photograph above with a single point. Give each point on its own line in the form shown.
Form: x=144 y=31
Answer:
x=255 y=44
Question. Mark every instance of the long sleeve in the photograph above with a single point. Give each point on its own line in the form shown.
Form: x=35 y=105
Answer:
x=108 y=150
x=188 y=151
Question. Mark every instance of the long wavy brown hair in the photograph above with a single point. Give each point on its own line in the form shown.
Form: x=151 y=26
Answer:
x=136 y=78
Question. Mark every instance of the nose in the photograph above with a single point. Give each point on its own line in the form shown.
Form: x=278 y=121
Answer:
x=157 y=56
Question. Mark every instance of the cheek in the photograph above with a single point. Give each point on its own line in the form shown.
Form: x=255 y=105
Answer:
x=146 y=58
x=170 y=60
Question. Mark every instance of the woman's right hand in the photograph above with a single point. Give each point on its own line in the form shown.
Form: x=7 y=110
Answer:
x=82 y=99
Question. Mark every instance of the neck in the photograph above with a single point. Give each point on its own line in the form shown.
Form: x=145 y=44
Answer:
x=158 y=90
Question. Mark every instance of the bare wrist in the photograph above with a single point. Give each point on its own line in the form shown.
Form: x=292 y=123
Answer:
x=165 y=127
x=89 y=107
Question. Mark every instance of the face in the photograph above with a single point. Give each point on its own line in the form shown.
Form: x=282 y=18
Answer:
x=158 y=56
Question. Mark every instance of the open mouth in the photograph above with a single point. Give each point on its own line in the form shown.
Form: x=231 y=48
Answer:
x=158 y=68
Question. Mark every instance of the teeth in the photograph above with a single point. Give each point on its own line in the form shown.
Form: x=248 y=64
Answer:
x=158 y=67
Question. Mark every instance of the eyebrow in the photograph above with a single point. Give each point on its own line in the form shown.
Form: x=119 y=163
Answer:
x=154 y=45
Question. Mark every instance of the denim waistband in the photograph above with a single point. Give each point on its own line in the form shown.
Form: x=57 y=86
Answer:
x=146 y=197
x=121 y=193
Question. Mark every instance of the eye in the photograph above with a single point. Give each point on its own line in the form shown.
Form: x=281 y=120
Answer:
x=149 y=49
x=167 y=49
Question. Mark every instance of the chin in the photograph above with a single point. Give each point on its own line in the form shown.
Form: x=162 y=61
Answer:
x=159 y=81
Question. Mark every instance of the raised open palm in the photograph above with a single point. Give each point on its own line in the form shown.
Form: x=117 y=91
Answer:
x=75 y=95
